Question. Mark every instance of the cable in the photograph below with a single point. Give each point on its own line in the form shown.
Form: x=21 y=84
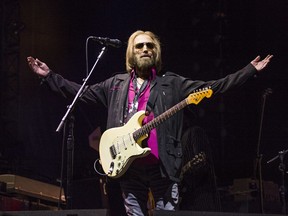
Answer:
x=95 y=168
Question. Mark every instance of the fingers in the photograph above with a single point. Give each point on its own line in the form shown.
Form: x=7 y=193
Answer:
x=266 y=60
x=256 y=59
x=38 y=62
x=31 y=61
x=260 y=65
x=33 y=64
x=29 y=58
x=268 y=57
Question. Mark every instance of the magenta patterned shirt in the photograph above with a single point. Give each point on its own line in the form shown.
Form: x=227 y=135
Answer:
x=153 y=157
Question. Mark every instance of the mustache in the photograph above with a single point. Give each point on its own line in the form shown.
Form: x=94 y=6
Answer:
x=146 y=55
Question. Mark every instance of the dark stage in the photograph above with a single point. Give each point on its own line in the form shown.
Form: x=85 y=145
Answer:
x=203 y=40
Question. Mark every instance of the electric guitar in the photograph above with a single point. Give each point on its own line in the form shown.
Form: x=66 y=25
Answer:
x=119 y=146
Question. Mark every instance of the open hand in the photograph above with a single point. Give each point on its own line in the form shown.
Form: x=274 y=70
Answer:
x=38 y=67
x=260 y=65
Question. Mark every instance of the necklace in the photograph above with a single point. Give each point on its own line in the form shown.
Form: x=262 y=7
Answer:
x=139 y=82
x=138 y=89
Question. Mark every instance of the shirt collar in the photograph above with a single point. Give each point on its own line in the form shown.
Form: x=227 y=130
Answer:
x=151 y=77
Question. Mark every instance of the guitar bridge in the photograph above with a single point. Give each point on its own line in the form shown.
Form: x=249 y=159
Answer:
x=113 y=151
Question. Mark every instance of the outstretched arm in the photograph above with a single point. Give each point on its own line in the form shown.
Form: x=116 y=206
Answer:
x=38 y=67
x=260 y=65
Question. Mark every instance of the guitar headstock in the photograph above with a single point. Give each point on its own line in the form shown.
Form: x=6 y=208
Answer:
x=192 y=166
x=197 y=96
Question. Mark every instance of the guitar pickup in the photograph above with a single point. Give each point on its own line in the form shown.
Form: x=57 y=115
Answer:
x=113 y=151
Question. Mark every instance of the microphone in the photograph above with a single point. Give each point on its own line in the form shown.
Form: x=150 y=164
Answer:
x=107 y=41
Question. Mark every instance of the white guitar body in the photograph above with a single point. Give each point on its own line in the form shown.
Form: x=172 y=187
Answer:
x=118 y=148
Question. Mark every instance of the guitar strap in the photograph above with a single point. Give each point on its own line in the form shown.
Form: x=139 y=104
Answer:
x=154 y=86
x=138 y=92
x=154 y=91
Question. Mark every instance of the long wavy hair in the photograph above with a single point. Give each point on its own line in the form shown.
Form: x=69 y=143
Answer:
x=130 y=64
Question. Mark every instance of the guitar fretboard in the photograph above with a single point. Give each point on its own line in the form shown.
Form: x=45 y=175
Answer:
x=159 y=120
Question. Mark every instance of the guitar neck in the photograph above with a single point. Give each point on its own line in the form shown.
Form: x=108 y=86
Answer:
x=159 y=119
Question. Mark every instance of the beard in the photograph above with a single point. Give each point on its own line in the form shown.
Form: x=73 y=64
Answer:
x=144 y=65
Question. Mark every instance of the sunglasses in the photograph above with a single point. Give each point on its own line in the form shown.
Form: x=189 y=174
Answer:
x=149 y=45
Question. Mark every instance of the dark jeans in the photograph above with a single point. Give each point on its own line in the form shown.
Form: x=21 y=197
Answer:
x=135 y=186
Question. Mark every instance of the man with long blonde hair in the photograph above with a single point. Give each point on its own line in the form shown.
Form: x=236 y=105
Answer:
x=145 y=87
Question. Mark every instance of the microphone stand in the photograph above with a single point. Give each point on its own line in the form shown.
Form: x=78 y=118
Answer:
x=70 y=160
x=258 y=162
x=70 y=139
x=282 y=168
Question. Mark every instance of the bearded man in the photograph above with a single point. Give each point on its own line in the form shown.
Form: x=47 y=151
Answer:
x=145 y=87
